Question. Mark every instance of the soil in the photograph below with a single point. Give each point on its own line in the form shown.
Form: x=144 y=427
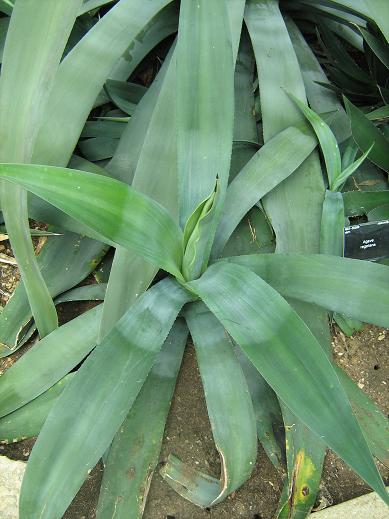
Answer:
x=365 y=357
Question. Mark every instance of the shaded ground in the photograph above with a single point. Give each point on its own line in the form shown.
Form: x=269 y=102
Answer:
x=365 y=357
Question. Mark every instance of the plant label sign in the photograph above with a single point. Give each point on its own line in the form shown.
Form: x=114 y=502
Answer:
x=367 y=241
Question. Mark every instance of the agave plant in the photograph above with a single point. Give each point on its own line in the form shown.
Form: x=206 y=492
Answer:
x=213 y=178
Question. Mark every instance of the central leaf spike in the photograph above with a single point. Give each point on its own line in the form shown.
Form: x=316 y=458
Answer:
x=196 y=236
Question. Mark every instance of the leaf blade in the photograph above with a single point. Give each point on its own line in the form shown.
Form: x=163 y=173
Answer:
x=265 y=336
x=112 y=208
x=98 y=398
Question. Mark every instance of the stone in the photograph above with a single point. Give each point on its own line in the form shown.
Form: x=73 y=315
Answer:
x=11 y=475
x=368 y=506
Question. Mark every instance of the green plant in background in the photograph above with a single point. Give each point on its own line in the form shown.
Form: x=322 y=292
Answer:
x=183 y=176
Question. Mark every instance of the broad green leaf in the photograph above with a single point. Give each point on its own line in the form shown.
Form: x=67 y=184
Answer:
x=95 y=403
x=332 y=224
x=274 y=54
x=332 y=231
x=27 y=421
x=305 y=452
x=43 y=211
x=357 y=203
x=272 y=334
x=151 y=128
x=305 y=465
x=295 y=206
x=48 y=361
x=83 y=73
x=235 y=10
x=320 y=99
x=357 y=288
x=366 y=134
x=77 y=256
x=230 y=412
x=328 y=143
x=245 y=128
x=134 y=452
x=108 y=206
x=36 y=39
x=204 y=117
x=138 y=134
x=272 y=164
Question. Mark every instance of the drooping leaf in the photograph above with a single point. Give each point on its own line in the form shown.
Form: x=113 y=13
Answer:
x=79 y=79
x=305 y=452
x=27 y=421
x=36 y=38
x=110 y=207
x=61 y=350
x=356 y=288
x=230 y=411
x=134 y=452
x=78 y=256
